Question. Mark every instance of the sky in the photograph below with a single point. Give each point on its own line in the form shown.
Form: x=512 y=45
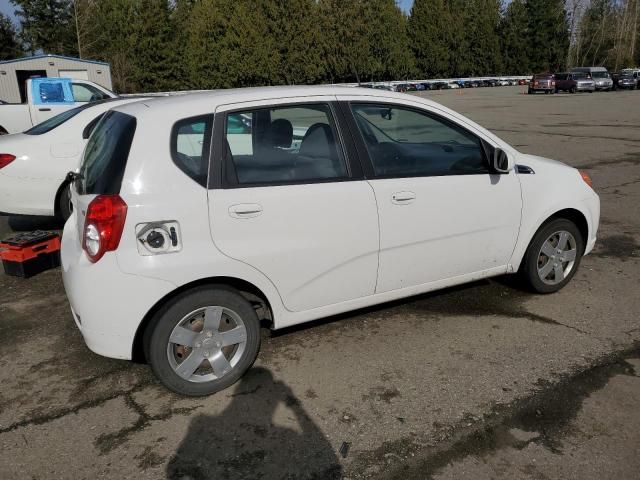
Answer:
x=8 y=8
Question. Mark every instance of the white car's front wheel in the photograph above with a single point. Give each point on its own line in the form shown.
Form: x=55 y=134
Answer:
x=553 y=256
x=203 y=341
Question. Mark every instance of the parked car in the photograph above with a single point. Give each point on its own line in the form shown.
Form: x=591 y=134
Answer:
x=523 y=81
x=297 y=231
x=426 y=86
x=600 y=76
x=34 y=164
x=438 y=85
x=543 y=82
x=573 y=82
x=47 y=97
x=627 y=80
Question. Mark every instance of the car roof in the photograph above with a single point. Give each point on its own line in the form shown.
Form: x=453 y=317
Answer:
x=193 y=101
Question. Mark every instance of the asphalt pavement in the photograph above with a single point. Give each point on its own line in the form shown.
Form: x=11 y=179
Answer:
x=479 y=381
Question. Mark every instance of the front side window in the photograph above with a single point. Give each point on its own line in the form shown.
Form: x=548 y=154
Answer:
x=190 y=143
x=86 y=93
x=279 y=145
x=405 y=142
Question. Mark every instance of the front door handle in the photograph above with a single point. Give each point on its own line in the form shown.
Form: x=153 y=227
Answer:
x=44 y=109
x=403 y=198
x=245 y=210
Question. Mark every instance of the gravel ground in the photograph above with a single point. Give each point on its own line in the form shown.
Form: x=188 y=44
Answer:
x=479 y=381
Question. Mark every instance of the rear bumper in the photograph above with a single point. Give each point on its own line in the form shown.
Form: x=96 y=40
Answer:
x=107 y=305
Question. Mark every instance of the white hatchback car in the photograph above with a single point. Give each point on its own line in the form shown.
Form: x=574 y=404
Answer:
x=34 y=164
x=198 y=216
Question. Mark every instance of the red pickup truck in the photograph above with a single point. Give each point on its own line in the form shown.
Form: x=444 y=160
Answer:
x=543 y=82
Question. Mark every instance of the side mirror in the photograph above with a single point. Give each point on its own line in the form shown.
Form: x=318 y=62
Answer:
x=501 y=161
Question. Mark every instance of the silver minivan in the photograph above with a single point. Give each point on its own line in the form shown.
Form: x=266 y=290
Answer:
x=600 y=76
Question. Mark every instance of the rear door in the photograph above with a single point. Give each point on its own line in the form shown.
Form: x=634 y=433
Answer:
x=289 y=200
x=103 y=163
x=443 y=214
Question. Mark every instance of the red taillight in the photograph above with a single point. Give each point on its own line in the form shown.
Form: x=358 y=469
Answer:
x=6 y=159
x=103 y=225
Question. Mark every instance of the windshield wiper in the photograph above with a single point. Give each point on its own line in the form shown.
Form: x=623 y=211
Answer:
x=73 y=176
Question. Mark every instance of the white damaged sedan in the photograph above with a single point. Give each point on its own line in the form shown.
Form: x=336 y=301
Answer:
x=34 y=164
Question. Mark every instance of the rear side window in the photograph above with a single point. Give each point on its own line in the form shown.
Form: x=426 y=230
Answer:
x=283 y=145
x=105 y=157
x=190 y=146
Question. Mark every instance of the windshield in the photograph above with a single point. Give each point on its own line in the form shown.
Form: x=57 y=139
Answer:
x=599 y=74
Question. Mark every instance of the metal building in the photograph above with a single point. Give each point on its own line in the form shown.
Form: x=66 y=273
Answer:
x=14 y=73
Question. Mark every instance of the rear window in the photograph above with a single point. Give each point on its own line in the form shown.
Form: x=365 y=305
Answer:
x=105 y=157
x=53 y=122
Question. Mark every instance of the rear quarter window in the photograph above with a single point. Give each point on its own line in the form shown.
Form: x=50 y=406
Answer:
x=105 y=156
x=190 y=146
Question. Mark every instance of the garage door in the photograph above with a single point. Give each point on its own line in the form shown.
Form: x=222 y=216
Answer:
x=78 y=74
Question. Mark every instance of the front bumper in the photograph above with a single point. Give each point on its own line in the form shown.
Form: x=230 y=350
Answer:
x=585 y=88
x=107 y=304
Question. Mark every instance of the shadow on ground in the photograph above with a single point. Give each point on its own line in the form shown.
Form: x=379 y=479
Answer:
x=25 y=223
x=263 y=433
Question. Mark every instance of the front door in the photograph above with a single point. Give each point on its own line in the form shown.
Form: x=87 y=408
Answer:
x=290 y=203
x=442 y=213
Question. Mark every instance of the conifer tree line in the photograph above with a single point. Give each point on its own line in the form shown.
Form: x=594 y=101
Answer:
x=203 y=44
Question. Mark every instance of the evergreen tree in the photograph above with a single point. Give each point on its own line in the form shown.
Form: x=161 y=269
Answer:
x=295 y=31
x=10 y=47
x=388 y=41
x=150 y=37
x=514 y=37
x=548 y=35
x=249 y=55
x=483 y=42
x=204 y=48
x=47 y=25
x=345 y=40
x=429 y=34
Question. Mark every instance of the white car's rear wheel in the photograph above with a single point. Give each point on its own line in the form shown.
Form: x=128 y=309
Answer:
x=204 y=341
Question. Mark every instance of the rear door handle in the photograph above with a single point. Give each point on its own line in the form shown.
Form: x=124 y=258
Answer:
x=245 y=210
x=403 y=198
x=44 y=109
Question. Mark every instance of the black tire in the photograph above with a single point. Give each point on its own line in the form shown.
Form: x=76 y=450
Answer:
x=3 y=131
x=160 y=329
x=64 y=203
x=529 y=271
x=530 y=91
x=573 y=90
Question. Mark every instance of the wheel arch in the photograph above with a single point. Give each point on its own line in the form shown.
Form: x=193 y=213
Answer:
x=56 y=199
x=573 y=214
x=248 y=290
